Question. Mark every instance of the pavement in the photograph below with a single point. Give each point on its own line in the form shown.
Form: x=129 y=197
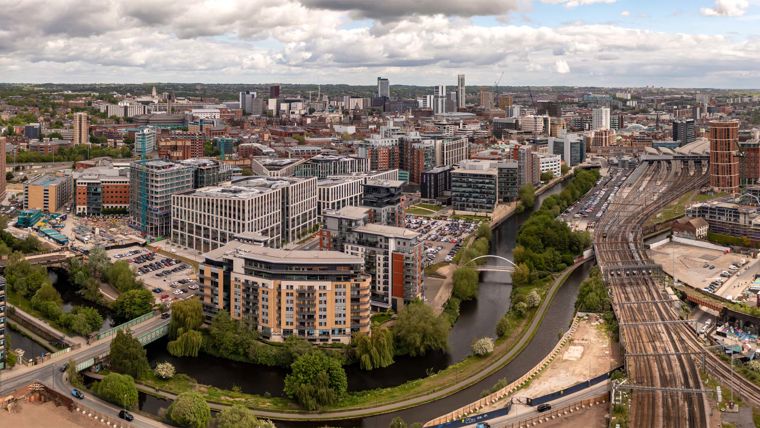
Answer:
x=42 y=325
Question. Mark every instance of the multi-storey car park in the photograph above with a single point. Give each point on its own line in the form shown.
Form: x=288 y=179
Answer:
x=662 y=351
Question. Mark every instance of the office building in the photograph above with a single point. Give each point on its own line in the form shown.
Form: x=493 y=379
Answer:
x=474 y=186
x=323 y=166
x=461 y=93
x=550 y=163
x=101 y=190
x=749 y=162
x=208 y=172
x=336 y=193
x=33 y=131
x=533 y=124
x=275 y=167
x=508 y=179
x=439 y=100
x=435 y=182
x=450 y=151
x=684 y=131
x=600 y=118
x=393 y=258
x=419 y=157
x=246 y=101
x=384 y=198
x=145 y=141
x=505 y=101
x=383 y=88
x=48 y=193
x=151 y=186
x=179 y=146
x=571 y=147
x=728 y=218
x=527 y=163
x=81 y=128
x=274 y=91
x=724 y=162
x=602 y=138
x=320 y=296
x=2 y=323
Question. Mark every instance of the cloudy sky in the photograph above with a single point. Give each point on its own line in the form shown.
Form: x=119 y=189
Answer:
x=679 y=43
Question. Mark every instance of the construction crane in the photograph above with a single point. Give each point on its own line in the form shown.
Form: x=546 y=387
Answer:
x=532 y=102
x=496 y=83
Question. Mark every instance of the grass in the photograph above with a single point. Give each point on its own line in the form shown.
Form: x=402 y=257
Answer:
x=419 y=212
x=432 y=270
x=475 y=218
x=429 y=206
x=25 y=305
x=381 y=318
x=677 y=208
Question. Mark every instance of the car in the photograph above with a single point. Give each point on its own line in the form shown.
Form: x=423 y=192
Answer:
x=63 y=367
x=544 y=407
x=157 y=290
x=165 y=316
x=77 y=393
x=126 y=416
x=483 y=425
x=178 y=291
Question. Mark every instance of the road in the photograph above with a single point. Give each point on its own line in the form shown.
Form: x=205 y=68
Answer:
x=48 y=372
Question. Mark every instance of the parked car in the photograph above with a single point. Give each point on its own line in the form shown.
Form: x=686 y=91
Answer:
x=165 y=315
x=544 y=407
x=126 y=416
x=157 y=290
x=77 y=393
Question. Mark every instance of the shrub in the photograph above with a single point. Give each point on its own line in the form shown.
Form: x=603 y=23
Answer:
x=482 y=346
x=165 y=370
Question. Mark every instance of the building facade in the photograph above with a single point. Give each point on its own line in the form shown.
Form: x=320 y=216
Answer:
x=81 y=127
x=101 y=190
x=151 y=186
x=336 y=193
x=145 y=141
x=384 y=198
x=323 y=166
x=724 y=162
x=436 y=182
x=180 y=146
x=48 y=192
x=474 y=186
x=320 y=296
x=600 y=118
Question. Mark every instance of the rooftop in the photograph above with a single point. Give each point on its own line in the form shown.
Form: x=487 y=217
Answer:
x=279 y=256
x=47 y=180
x=388 y=231
x=348 y=212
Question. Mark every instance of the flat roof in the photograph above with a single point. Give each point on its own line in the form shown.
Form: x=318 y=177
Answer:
x=276 y=255
x=390 y=231
x=348 y=211
x=47 y=180
x=384 y=183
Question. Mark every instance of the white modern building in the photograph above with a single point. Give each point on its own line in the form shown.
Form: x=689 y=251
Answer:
x=145 y=141
x=550 y=163
x=600 y=118
x=336 y=193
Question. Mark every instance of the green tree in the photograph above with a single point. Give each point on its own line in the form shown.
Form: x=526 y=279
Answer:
x=165 y=370
x=186 y=315
x=46 y=293
x=418 y=330
x=229 y=337
x=533 y=299
x=316 y=380
x=238 y=416
x=527 y=195
x=466 y=281
x=98 y=261
x=118 y=389
x=564 y=168
x=133 y=303
x=23 y=277
x=187 y=344
x=484 y=231
x=83 y=320
x=374 y=351
x=128 y=356
x=121 y=277
x=397 y=422
x=521 y=275
x=189 y=410
x=10 y=356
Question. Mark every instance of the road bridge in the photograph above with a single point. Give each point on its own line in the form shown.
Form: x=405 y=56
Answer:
x=48 y=259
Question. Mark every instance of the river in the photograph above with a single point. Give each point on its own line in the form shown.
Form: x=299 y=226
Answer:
x=477 y=319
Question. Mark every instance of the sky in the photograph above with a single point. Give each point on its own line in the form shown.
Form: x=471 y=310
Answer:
x=621 y=43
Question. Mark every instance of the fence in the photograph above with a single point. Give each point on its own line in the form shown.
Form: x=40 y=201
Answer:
x=571 y=390
x=112 y=331
x=510 y=389
x=562 y=412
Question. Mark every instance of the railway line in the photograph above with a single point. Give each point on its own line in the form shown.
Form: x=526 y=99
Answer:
x=659 y=345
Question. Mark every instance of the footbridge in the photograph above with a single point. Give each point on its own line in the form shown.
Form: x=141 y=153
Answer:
x=495 y=267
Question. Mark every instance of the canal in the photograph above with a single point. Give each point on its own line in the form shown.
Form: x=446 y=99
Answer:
x=477 y=319
x=30 y=347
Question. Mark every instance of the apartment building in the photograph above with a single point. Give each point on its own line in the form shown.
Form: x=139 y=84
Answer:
x=383 y=153
x=151 y=186
x=181 y=145
x=724 y=159
x=436 y=182
x=48 y=192
x=550 y=163
x=81 y=127
x=336 y=193
x=393 y=259
x=208 y=172
x=321 y=296
x=323 y=166
x=283 y=209
x=101 y=190
x=2 y=323
x=728 y=218
x=3 y=182
x=384 y=198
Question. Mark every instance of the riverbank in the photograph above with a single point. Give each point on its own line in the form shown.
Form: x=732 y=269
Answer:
x=368 y=403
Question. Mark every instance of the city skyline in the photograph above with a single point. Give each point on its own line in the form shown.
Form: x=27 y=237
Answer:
x=610 y=43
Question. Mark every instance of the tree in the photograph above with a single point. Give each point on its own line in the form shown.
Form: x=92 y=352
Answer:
x=397 y=422
x=83 y=320
x=484 y=231
x=133 y=303
x=165 y=370
x=238 y=416
x=98 y=261
x=118 y=389
x=374 y=351
x=521 y=276
x=520 y=309
x=504 y=326
x=23 y=277
x=121 y=277
x=564 y=169
x=316 y=380
x=533 y=299
x=229 y=337
x=189 y=410
x=46 y=293
x=188 y=344
x=527 y=195
x=482 y=346
x=128 y=356
x=466 y=283
x=418 y=330
x=8 y=176
x=186 y=315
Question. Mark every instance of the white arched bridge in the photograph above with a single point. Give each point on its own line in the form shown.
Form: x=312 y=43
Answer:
x=493 y=268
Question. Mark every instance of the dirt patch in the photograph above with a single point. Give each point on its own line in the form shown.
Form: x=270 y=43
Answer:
x=594 y=417
x=33 y=415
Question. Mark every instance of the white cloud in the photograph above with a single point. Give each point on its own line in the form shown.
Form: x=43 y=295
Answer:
x=576 y=3
x=561 y=66
x=726 y=8
x=394 y=9
x=625 y=13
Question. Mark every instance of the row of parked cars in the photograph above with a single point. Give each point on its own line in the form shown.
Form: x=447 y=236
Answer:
x=160 y=264
x=167 y=272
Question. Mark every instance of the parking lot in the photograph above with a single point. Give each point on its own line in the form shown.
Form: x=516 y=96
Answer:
x=169 y=279
x=443 y=238
x=725 y=274
x=583 y=214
